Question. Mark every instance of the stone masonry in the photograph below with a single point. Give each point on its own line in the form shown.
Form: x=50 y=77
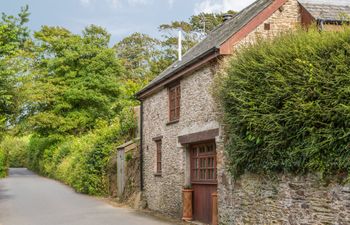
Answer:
x=285 y=200
x=198 y=113
x=283 y=20
x=252 y=200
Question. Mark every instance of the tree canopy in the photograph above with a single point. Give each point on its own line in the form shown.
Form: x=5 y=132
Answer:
x=13 y=35
x=74 y=81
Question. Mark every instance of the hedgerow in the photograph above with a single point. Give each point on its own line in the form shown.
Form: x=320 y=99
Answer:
x=3 y=163
x=286 y=104
x=80 y=162
x=16 y=148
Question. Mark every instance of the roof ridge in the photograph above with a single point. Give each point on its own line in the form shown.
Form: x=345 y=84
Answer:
x=213 y=40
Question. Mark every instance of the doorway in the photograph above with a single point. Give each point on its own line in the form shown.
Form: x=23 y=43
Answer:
x=203 y=179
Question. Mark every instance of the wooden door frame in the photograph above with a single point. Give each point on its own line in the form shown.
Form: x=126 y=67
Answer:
x=199 y=185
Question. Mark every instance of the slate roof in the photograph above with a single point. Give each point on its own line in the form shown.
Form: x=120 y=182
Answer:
x=328 y=10
x=319 y=9
x=213 y=41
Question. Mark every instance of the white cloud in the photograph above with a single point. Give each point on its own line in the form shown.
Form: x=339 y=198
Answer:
x=139 y=2
x=171 y=3
x=85 y=2
x=115 y=3
x=216 y=6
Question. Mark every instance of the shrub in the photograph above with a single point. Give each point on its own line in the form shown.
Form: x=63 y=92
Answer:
x=80 y=162
x=39 y=150
x=3 y=163
x=16 y=147
x=287 y=104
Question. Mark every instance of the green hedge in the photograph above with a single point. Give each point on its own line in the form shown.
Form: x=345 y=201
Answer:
x=80 y=162
x=3 y=163
x=16 y=148
x=287 y=105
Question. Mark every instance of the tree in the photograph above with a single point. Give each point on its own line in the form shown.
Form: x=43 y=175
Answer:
x=138 y=52
x=145 y=57
x=74 y=83
x=13 y=36
x=194 y=31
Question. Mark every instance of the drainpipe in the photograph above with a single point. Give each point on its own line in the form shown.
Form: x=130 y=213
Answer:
x=141 y=145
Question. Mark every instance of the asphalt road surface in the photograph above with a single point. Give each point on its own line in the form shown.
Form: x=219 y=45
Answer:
x=27 y=199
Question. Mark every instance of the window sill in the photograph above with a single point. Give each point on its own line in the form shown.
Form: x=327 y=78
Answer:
x=172 y=122
x=157 y=174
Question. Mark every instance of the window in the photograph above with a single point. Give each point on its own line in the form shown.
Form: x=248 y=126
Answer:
x=174 y=102
x=267 y=26
x=159 y=156
x=203 y=163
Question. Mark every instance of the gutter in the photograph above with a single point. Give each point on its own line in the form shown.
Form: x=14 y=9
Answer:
x=322 y=22
x=196 y=59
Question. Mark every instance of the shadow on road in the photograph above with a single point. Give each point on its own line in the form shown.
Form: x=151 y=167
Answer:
x=20 y=172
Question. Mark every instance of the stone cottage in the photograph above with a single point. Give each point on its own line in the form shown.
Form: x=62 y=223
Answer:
x=181 y=139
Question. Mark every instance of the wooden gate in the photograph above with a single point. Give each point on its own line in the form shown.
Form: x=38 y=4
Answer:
x=203 y=180
x=120 y=168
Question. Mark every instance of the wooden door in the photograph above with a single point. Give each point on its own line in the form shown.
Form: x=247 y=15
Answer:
x=203 y=180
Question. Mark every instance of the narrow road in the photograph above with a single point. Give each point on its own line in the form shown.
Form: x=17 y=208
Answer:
x=27 y=199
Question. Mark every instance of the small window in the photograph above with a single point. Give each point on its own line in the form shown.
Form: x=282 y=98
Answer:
x=174 y=102
x=159 y=157
x=203 y=163
x=267 y=26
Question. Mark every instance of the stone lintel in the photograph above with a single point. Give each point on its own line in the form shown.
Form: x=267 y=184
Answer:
x=199 y=137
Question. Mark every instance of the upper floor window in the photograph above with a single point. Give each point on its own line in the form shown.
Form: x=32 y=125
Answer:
x=174 y=102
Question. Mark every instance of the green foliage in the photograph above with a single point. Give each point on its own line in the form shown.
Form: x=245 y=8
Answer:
x=39 y=147
x=128 y=157
x=145 y=57
x=13 y=35
x=74 y=82
x=287 y=104
x=16 y=148
x=194 y=30
x=3 y=163
x=80 y=162
x=138 y=53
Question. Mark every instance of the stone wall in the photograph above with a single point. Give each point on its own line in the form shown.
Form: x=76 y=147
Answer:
x=285 y=199
x=131 y=192
x=198 y=113
x=287 y=18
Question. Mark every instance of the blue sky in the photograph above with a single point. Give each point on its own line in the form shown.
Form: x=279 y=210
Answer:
x=119 y=17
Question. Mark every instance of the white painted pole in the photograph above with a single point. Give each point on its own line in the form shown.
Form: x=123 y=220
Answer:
x=180 y=45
